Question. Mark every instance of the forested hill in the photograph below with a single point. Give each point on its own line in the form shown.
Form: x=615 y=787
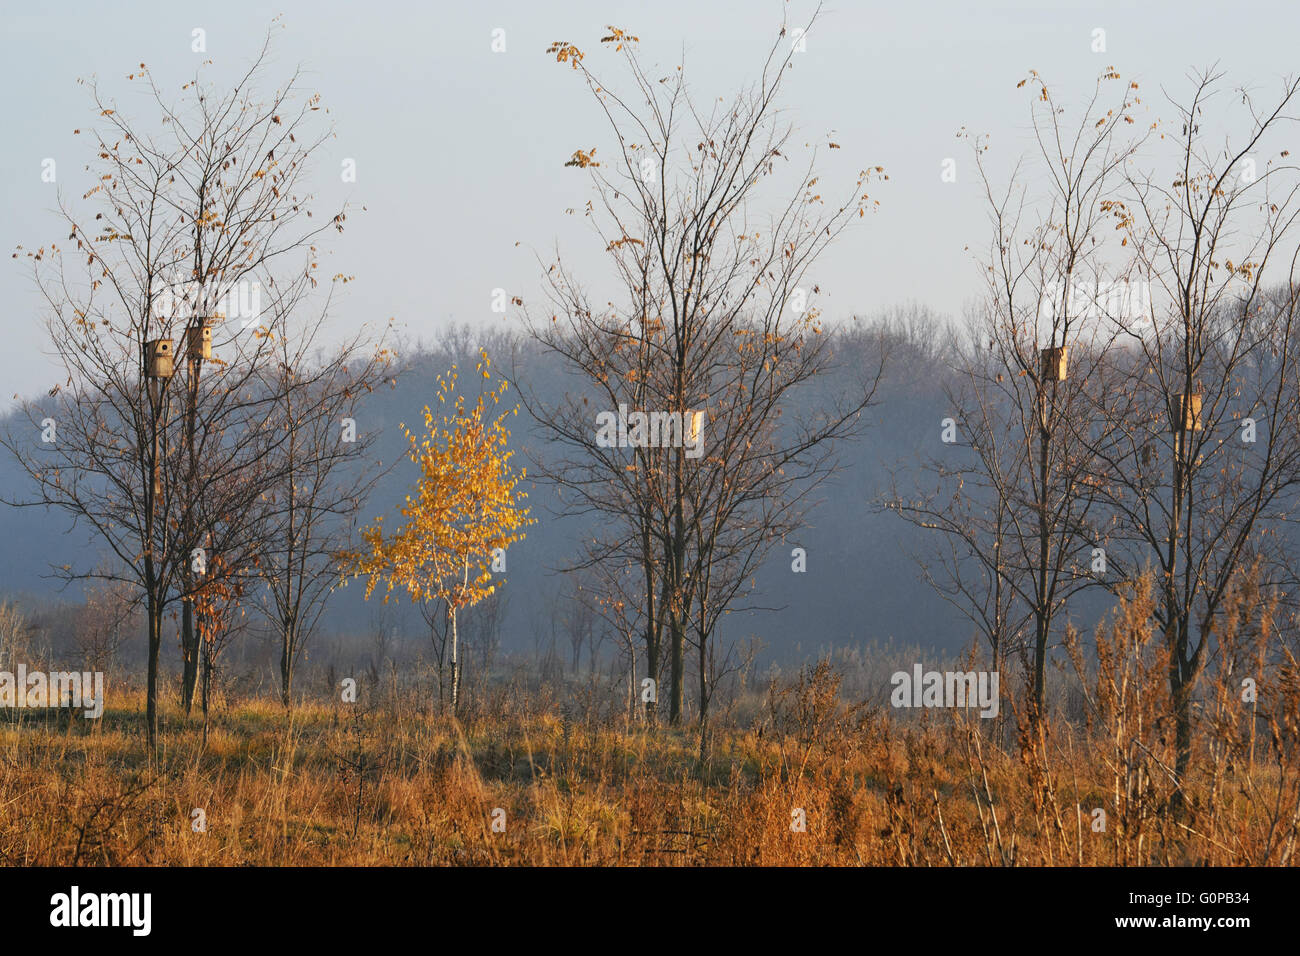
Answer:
x=862 y=583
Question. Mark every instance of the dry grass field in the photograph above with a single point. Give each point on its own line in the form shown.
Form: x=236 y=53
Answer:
x=389 y=781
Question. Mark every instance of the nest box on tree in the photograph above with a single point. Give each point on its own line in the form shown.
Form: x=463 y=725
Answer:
x=199 y=341
x=158 y=358
x=1053 y=364
x=1187 y=413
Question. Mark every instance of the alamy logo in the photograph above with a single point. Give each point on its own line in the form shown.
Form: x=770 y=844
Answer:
x=1119 y=300
x=624 y=429
x=186 y=299
x=102 y=909
x=38 y=689
x=946 y=689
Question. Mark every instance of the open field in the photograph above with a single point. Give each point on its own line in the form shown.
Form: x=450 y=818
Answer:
x=391 y=783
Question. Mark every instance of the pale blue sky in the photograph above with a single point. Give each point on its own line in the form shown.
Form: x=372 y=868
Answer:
x=460 y=151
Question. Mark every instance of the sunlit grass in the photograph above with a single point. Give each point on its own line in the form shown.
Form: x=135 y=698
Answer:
x=382 y=782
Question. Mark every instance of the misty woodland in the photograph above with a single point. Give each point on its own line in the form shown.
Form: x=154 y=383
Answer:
x=665 y=562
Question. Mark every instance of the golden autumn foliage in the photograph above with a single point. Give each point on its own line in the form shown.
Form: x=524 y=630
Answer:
x=466 y=505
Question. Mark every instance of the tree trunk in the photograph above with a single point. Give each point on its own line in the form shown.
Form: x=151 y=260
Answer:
x=287 y=641
x=189 y=639
x=455 y=667
x=652 y=671
x=677 y=599
x=154 y=593
x=676 y=616
x=440 y=651
x=189 y=656
x=455 y=661
x=1182 y=681
x=677 y=670
x=652 y=625
x=1042 y=609
x=207 y=684
x=154 y=613
x=1182 y=732
x=1176 y=626
x=704 y=687
x=631 y=684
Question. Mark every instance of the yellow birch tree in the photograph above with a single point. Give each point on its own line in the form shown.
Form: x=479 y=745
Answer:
x=466 y=508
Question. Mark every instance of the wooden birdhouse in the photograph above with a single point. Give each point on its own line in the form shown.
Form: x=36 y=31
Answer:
x=158 y=358
x=1053 y=364
x=199 y=342
x=1187 y=413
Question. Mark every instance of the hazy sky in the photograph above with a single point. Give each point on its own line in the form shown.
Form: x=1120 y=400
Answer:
x=460 y=151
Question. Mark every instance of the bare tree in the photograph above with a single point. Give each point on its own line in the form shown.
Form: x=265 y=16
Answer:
x=1016 y=508
x=579 y=619
x=101 y=625
x=716 y=327
x=1204 y=472
x=324 y=470
x=199 y=214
